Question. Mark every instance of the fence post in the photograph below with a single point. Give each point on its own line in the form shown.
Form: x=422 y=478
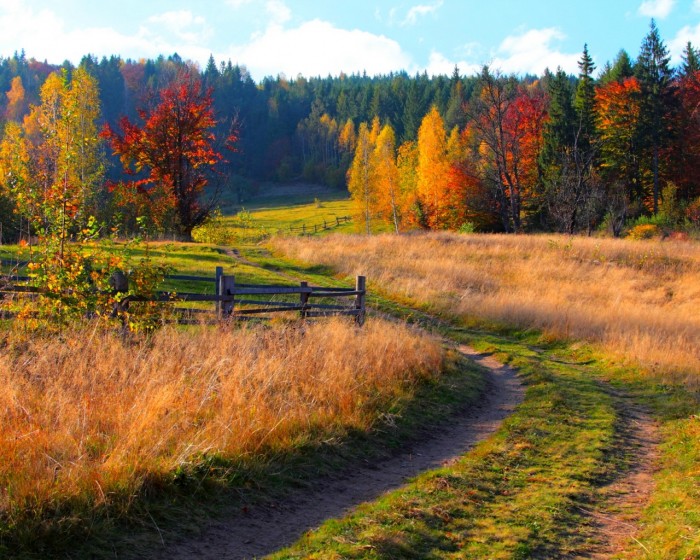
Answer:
x=217 y=289
x=227 y=284
x=119 y=282
x=360 y=298
x=303 y=229
x=337 y=220
x=303 y=299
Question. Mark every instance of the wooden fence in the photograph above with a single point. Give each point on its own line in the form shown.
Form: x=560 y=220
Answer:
x=308 y=229
x=237 y=301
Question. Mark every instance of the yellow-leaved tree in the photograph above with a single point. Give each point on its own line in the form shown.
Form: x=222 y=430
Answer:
x=432 y=174
x=386 y=175
x=361 y=177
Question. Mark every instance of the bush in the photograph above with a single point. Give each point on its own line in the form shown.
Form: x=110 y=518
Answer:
x=644 y=231
x=467 y=227
x=692 y=212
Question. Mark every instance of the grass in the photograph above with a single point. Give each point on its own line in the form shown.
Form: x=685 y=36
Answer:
x=638 y=300
x=527 y=492
x=278 y=210
x=524 y=493
x=94 y=424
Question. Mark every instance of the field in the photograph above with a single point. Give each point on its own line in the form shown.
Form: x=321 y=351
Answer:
x=108 y=440
x=639 y=300
x=604 y=332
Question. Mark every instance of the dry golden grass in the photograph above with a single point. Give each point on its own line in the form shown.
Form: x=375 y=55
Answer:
x=87 y=414
x=639 y=299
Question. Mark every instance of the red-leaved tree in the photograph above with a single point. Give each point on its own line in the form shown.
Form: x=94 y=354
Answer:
x=171 y=156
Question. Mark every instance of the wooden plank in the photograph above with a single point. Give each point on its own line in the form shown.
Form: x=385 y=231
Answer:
x=274 y=290
x=21 y=290
x=324 y=293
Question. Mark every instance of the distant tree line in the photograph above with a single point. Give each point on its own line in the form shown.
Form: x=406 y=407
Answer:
x=487 y=152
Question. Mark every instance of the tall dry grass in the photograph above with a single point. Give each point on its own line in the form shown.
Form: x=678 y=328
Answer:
x=88 y=414
x=639 y=299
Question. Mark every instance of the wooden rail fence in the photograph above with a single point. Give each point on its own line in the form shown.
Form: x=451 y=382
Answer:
x=237 y=301
x=305 y=229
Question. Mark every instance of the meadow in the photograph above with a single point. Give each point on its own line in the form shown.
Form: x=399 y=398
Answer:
x=103 y=433
x=639 y=300
x=91 y=418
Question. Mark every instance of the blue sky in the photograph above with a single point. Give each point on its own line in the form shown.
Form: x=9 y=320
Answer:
x=321 y=37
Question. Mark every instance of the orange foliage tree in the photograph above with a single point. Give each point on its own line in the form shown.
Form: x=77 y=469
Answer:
x=685 y=168
x=618 y=118
x=507 y=124
x=172 y=155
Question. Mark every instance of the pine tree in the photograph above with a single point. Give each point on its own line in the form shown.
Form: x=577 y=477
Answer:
x=621 y=69
x=655 y=76
x=584 y=102
x=455 y=115
x=691 y=60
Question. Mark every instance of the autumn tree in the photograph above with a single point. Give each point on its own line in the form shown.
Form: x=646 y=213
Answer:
x=171 y=155
x=685 y=152
x=55 y=158
x=507 y=124
x=361 y=177
x=433 y=169
x=16 y=100
x=386 y=175
x=406 y=166
x=619 y=109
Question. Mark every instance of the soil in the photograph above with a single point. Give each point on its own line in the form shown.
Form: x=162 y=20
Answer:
x=263 y=529
x=617 y=523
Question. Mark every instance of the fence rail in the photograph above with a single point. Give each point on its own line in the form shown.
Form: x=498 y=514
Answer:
x=232 y=300
x=308 y=229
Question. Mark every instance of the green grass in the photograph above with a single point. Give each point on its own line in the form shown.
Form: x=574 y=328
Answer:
x=528 y=491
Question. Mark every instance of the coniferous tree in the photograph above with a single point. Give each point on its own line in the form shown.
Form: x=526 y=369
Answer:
x=655 y=77
x=691 y=60
x=584 y=102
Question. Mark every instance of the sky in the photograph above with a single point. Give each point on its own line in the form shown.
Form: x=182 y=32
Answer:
x=327 y=37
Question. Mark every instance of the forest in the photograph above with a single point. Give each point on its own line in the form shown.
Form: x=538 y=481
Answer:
x=615 y=148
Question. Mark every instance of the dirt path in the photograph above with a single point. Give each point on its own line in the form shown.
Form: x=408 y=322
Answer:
x=262 y=530
x=618 y=521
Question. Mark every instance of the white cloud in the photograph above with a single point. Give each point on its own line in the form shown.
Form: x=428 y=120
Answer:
x=317 y=48
x=419 y=11
x=278 y=11
x=657 y=8
x=676 y=46
x=183 y=24
x=532 y=52
x=235 y=4
x=44 y=35
x=438 y=64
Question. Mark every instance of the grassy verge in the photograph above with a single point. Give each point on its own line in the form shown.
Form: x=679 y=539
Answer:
x=107 y=442
x=528 y=491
